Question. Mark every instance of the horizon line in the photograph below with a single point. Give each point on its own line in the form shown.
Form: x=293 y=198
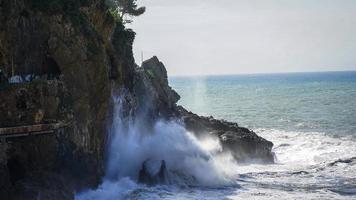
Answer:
x=261 y=73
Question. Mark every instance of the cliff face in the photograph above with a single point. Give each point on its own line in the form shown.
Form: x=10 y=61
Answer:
x=65 y=57
x=60 y=60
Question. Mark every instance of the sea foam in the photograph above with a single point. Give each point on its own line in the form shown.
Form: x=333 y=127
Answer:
x=190 y=161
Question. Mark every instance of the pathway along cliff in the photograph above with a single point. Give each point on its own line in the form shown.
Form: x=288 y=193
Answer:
x=70 y=62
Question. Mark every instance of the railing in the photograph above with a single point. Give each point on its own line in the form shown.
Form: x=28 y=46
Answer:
x=31 y=130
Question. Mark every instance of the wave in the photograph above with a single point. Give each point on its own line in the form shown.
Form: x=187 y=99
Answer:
x=190 y=162
x=308 y=164
x=308 y=148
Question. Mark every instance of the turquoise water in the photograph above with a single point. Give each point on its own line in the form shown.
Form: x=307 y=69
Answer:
x=321 y=102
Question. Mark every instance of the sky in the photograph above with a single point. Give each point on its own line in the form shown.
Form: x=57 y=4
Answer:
x=213 y=37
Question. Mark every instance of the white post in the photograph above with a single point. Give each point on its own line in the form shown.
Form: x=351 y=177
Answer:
x=141 y=57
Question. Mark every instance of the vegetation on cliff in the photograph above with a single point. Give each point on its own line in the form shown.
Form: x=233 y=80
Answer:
x=122 y=8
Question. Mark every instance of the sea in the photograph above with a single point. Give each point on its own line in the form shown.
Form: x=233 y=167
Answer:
x=309 y=117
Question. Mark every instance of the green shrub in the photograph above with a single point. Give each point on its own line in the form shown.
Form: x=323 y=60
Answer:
x=115 y=15
x=150 y=73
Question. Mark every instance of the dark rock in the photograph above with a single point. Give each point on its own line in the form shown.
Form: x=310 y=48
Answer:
x=244 y=144
x=150 y=175
x=5 y=183
x=33 y=103
x=343 y=161
x=152 y=89
x=162 y=173
x=156 y=70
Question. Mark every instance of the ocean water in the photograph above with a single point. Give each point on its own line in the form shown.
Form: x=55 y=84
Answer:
x=316 y=102
x=310 y=118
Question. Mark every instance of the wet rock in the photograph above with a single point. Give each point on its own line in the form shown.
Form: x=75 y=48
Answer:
x=244 y=144
x=342 y=161
x=153 y=172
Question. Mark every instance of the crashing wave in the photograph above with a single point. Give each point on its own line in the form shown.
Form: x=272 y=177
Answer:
x=134 y=146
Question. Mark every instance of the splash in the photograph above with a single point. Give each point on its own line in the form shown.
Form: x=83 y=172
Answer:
x=309 y=165
x=190 y=161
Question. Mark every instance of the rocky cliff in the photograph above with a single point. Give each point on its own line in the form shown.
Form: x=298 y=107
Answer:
x=244 y=144
x=60 y=61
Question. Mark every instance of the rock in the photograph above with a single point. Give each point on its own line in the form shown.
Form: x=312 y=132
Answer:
x=157 y=73
x=244 y=144
x=2 y=77
x=25 y=104
x=156 y=70
x=5 y=184
x=151 y=85
x=153 y=173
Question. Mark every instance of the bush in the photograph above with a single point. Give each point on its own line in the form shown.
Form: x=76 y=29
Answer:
x=115 y=15
x=121 y=8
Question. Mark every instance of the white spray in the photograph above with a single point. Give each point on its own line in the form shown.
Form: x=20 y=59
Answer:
x=189 y=161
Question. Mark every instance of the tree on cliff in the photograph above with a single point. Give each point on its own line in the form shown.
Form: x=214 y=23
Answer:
x=122 y=8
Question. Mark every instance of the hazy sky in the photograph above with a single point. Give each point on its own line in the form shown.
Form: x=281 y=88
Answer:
x=248 y=36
